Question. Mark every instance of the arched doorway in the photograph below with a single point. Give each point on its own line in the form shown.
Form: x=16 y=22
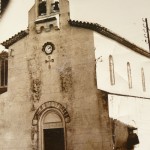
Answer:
x=52 y=131
x=48 y=127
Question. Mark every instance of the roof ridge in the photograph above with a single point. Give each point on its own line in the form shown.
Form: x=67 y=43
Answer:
x=15 y=38
x=106 y=32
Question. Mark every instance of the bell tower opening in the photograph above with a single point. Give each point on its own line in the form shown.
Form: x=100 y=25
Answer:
x=55 y=6
x=47 y=15
x=47 y=7
x=42 y=8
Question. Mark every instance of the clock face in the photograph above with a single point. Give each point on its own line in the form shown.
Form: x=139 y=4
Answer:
x=48 y=48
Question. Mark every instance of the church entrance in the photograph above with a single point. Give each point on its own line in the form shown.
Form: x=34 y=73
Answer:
x=54 y=139
x=49 y=127
x=53 y=132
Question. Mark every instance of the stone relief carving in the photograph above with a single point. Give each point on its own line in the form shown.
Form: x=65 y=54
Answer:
x=34 y=68
x=35 y=132
x=66 y=79
x=66 y=83
x=34 y=137
x=36 y=89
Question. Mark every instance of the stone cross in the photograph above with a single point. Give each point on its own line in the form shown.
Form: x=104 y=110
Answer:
x=49 y=61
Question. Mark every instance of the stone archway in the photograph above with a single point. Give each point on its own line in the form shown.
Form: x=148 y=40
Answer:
x=46 y=107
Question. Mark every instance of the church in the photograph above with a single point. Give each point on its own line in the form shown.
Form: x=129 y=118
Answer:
x=50 y=96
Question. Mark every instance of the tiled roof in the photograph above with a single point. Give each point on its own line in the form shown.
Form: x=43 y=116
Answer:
x=92 y=26
x=104 y=31
x=15 y=38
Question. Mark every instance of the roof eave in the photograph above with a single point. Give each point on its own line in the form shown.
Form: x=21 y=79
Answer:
x=15 y=38
x=104 y=31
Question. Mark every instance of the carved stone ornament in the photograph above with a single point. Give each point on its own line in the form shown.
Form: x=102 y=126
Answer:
x=47 y=105
x=48 y=48
x=36 y=89
x=34 y=68
x=35 y=131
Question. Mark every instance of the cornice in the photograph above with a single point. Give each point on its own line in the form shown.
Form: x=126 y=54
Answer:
x=104 y=31
x=87 y=25
x=15 y=38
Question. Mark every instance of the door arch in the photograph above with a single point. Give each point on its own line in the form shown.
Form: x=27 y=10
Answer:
x=48 y=125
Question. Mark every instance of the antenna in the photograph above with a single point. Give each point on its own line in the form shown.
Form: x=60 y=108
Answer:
x=146 y=30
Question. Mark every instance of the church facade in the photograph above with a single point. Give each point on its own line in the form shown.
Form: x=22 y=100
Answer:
x=52 y=93
x=52 y=99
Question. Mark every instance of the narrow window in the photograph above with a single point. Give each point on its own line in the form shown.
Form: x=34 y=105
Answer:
x=143 y=79
x=52 y=131
x=42 y=8
x=3 y=72
x=129 y=75
x=111 y=68
x=55 y=6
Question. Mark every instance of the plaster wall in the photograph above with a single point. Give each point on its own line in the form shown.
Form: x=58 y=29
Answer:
x=129 y=110
x=70 y=80
x=121 y=55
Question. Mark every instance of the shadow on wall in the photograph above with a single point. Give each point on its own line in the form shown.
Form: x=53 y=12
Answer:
x=123 y=135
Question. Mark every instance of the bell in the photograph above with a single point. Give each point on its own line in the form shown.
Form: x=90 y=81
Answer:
x=56 y=7
x=42 y=8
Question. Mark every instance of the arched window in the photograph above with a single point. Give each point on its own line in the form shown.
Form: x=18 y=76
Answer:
x=42 y=8
x=129 y=75
x=48 y=127
x=46 y=7
x=143 y=79
x=111 y=69
x=3 y=72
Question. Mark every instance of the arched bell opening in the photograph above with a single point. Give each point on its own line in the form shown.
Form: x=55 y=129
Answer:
x=42 y=8
x=46 y=7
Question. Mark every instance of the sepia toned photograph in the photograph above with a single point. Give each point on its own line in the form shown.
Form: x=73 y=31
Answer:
x=74 y=74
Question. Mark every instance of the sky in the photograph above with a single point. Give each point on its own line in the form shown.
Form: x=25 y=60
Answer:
x=123 y=17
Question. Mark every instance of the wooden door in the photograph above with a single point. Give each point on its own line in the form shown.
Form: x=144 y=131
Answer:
x=54 y=139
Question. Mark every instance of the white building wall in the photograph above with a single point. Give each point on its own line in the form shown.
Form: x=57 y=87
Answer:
x=133 y=106
x=135 y=112
x=121 y=55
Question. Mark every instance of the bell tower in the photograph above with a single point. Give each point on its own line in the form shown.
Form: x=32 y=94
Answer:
x=48 y=13
x=46 y=8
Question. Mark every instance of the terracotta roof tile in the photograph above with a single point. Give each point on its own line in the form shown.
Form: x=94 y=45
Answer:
x=92 y=26
x=104 y=31
x=15 y=38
